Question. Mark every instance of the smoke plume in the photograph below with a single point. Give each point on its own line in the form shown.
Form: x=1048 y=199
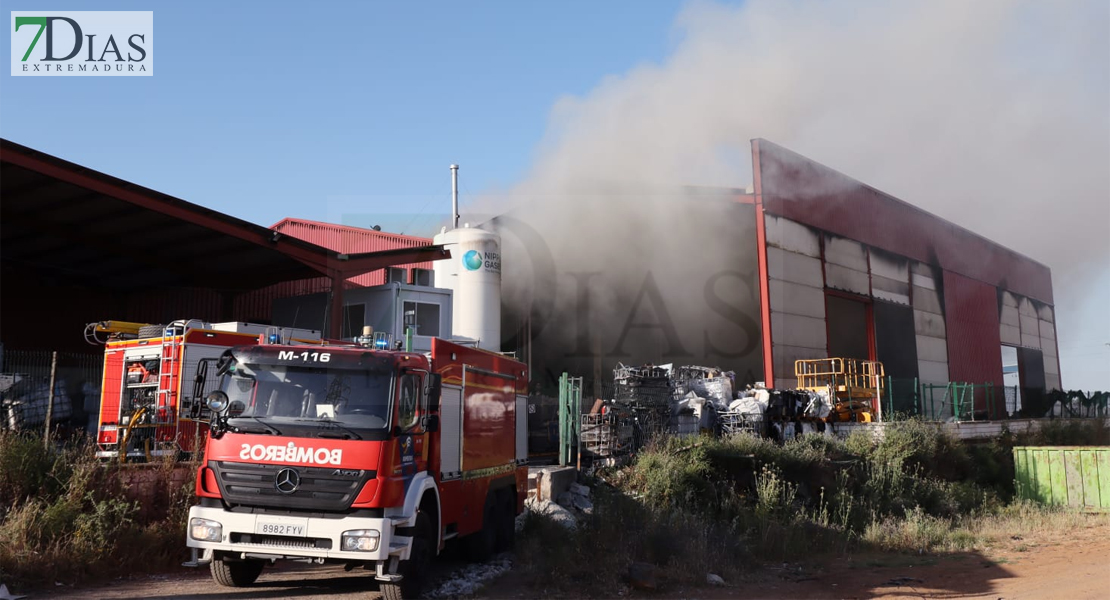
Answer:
x=993 y=115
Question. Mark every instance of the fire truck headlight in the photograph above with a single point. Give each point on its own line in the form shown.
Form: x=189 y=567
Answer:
x=205 y=530
x=360 y=540
x=217 y=401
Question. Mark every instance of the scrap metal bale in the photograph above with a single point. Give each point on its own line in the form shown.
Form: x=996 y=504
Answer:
x=706 y=382
x=647 y=385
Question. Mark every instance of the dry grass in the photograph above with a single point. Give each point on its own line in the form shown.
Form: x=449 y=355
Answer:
x=697 y=506
x=922 y=533
x=67 y=517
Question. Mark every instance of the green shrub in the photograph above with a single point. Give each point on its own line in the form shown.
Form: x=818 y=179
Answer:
x=25 y=468
x=68 y=517
x=1070 y=432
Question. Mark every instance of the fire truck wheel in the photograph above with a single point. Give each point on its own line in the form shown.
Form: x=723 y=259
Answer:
x=481 y=544
x=506 y=520
x=235 y=573
x=415 y=568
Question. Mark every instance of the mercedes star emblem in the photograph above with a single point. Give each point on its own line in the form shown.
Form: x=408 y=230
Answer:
x=287 y=481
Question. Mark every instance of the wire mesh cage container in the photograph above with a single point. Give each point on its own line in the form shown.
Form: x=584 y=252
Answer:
x=735 y=422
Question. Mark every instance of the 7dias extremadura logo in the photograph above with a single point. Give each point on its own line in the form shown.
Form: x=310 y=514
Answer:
x=66 y=43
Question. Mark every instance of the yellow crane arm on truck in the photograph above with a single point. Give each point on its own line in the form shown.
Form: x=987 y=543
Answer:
x=94 y=331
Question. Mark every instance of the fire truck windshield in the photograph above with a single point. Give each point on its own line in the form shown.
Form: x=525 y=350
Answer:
x=282 y=396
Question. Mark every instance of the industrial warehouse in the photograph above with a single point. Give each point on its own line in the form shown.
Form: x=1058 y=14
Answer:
x=826 y=267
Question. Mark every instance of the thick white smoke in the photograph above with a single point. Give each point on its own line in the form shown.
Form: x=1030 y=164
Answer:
x=994 y=115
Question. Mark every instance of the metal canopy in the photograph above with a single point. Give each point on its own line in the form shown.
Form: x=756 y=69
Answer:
x=65 y=221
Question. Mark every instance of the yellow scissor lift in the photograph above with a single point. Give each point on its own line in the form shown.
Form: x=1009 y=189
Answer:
x=856 y=384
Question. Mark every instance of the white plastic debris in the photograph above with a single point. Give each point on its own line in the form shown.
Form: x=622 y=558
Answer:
x=747 y=406
x=470 y=579
x=763 y=397
x=713 y=579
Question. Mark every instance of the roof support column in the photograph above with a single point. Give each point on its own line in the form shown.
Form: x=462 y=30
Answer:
x=335 y=313
x=764 y=275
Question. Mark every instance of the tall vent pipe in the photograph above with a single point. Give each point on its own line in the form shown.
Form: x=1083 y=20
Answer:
x=454 y=196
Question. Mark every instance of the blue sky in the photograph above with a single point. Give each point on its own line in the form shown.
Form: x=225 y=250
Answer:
x=339 y=111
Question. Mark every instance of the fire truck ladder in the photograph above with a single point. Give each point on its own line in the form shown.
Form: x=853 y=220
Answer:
x=168 y=380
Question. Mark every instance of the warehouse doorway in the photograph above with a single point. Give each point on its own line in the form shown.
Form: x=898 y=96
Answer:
x=1023 y=378
x=896 y=348
x=1011 y=379
x=849 y=327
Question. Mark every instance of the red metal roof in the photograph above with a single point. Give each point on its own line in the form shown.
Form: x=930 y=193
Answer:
x=352 y=240
x=347 y=238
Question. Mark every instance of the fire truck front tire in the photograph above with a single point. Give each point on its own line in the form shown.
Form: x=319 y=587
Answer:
x=415 y=569
x=235 y=573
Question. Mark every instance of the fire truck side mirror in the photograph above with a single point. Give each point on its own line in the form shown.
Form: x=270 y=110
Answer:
x=435 y=385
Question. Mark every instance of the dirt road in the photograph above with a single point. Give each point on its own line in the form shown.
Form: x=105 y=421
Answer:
x=1072 y=567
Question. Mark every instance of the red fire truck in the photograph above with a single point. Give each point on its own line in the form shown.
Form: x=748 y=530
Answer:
x=152 y=400
x=359 y=455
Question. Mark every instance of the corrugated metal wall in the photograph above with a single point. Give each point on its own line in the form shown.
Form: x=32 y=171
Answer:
x=162 y=306
x=1029 y=324
x=797 y=297
x=813 y=194
x=928 y=323
x=971 y=320
x=959 y=328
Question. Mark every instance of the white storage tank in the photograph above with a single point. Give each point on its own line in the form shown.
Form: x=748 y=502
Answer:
x=473 y=273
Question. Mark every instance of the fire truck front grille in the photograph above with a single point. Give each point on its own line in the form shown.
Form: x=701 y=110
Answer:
x=318 y=489
x=279 y=541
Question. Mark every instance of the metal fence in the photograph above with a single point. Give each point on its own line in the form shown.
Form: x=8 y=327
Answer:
x=1078 y=404
x=28 y=401
x=953 y=401
x=570 y=410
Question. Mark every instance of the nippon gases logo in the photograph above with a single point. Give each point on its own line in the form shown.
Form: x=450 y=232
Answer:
x=82 y=43
x=473 y=260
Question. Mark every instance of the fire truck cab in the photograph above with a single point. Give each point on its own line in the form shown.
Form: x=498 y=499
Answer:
x=359 y=455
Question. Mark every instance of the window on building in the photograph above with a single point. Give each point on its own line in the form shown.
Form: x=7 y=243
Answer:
x=426 y=317
x=354 y=317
